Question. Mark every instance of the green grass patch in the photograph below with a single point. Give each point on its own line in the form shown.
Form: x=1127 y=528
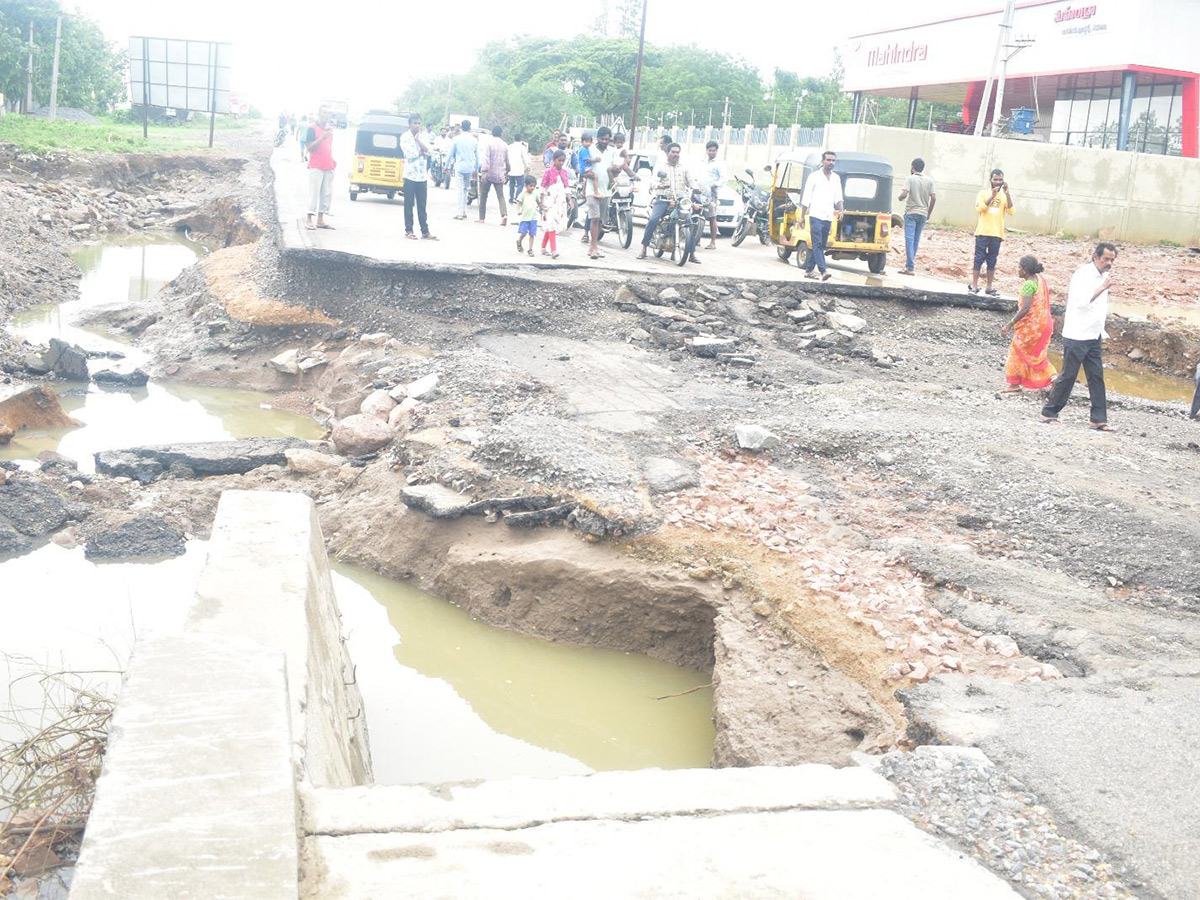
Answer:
x=1166 y=242
x=37 y=135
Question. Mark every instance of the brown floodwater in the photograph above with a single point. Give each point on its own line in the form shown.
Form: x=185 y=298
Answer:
x=1147 y=385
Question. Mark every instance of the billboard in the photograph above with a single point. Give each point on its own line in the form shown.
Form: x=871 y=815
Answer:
x=1067 y=37
x=180 y=74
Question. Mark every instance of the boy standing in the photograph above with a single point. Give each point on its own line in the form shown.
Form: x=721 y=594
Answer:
x=529 y=205
x=989 y=232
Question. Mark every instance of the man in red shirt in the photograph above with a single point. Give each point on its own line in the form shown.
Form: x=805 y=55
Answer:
x=319 y=141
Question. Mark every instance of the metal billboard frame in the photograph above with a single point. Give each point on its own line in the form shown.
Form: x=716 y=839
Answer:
x=175 y=73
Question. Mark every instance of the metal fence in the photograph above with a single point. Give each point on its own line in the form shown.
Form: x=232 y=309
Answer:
x=758 y=137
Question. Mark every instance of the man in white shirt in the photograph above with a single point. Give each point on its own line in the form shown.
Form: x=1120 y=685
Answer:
x=518 y=167
x=1083 y=329
x=821 y=204
x=712 y=173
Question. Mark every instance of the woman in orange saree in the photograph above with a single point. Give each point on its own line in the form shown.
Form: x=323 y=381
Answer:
x=1032 y=327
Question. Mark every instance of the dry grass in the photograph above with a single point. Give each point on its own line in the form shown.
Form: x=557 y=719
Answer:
x=48 y=772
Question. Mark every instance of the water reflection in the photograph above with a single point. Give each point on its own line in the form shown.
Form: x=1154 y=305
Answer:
x=449 y=698
x=134 y=269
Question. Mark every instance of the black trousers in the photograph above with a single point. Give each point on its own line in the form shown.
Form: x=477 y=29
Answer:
x=415 y=192
x=1076 y=354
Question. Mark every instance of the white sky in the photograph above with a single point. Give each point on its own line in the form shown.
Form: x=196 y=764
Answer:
x=292 y=55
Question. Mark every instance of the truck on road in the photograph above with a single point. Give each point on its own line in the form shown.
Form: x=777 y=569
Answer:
x=338 y=110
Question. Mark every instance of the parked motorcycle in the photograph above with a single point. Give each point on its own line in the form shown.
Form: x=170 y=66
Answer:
x=438 y=170
x=620 y=212
x=281 y=136
x=679 y=230
x=755 y=204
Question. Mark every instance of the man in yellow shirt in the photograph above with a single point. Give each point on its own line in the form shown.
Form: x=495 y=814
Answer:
x=989 y=231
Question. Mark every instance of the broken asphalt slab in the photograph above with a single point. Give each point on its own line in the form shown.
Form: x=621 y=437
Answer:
x=144 y=464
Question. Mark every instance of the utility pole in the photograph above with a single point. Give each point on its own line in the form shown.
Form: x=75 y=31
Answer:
x=1005 y=25
x=54 y=71
x=449 y=90
x=637 y=78
x=29 y=74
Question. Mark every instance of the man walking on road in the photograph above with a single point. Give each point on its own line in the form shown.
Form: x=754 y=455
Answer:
x=319 y=141
x=518 y=167
x=416 y=178
x=493 y=169
x=1083 y=329
x=920 y=198
x=464 y=160
x=989 y=232
x=821 y=202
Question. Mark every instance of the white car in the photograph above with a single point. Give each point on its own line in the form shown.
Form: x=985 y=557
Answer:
x=729 y=201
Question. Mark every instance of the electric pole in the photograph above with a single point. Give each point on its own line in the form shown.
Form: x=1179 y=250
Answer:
x=637 y=78
x=29 y=74
x=54 y=70
x=1005 y=25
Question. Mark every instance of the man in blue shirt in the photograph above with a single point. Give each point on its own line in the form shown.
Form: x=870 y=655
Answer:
x=464 y=160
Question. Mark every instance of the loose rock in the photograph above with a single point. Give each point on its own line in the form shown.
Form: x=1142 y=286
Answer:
x=361 y=434
x=143 y=535
x=755 y=437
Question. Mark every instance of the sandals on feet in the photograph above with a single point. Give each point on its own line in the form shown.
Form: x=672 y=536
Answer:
x=971 y=289
x=992 y=292
x=1100 y=426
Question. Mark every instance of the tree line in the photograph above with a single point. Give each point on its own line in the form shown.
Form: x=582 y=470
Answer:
x=531 y=83
x=91 y=72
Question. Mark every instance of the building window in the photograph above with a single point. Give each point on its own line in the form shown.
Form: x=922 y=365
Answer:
x=1087 y=110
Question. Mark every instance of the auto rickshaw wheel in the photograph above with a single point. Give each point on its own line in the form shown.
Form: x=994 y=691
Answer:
x=354 y=195
x=785 y=253
x=876 y=262
x=803 y=255
x=391 y=195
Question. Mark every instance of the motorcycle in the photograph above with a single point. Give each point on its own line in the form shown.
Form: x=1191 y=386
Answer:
x=438 y=170
x=281 y=136
x=679 y=230
x=620 y=212
x=755 y=204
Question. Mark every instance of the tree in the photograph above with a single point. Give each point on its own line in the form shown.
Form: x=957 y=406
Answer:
x=629 y=19
x=91 y=71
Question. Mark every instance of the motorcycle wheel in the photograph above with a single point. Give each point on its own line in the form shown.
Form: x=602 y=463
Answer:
x=764 y=236
x=683 y=243
x=741 y=231
x=784 y=253
x=625 y=227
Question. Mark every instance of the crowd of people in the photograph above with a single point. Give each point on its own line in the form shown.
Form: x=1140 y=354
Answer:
x=506 y=171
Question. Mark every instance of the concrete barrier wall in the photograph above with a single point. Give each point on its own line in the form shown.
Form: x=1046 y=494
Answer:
x=1083 y=191
x=215 y=727
x=267 y=578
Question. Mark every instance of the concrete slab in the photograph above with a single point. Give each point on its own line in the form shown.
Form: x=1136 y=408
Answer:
x=613 y=386
x=268 y=579
x=372 y=228
x=522 y=802
x=196 y=798
x=798 y=855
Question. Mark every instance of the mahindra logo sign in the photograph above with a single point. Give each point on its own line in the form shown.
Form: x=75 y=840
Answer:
x=1075 y=12
x=891 y=54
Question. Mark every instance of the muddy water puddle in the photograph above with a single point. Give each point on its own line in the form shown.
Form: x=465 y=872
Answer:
x=1147 y=385
x=133 y=270
x=449 y=698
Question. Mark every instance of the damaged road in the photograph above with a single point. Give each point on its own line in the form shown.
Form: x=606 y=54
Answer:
x=910 y=559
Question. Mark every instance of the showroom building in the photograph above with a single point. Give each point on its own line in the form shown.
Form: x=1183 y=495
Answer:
x=1115 y=74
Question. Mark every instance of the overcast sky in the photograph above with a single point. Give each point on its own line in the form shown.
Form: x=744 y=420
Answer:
x=294 y=55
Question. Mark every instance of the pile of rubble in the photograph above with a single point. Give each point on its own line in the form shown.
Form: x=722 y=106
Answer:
x=747 y=497
x=717 y=322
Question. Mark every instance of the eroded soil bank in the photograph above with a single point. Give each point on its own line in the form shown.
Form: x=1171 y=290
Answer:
x=910 y=524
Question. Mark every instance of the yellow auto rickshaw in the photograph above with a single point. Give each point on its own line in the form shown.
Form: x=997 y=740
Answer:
x=378 y=160
x=864 y=230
